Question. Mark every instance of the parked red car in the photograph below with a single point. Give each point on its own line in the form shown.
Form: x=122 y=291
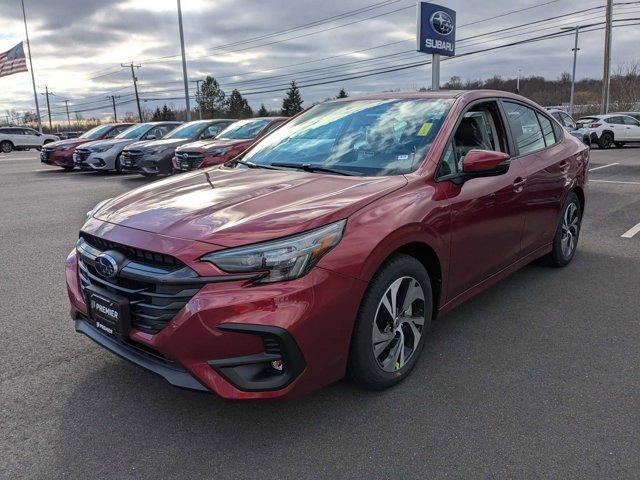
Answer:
x=60 y=153
x=330 y=245
x=229 y=143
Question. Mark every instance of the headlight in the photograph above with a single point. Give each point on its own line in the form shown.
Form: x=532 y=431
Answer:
x=100 y=148
x=284 y=259
x=91 y=212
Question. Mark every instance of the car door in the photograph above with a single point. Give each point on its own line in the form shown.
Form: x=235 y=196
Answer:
x=616 y=125
x=18 y=137
x=548 y=165
x=632 y=128
x=486 y=213
x=32 y=138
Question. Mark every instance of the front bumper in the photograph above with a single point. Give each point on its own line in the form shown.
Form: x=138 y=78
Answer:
x=229 y=332
x=101 y=161
x=147 y=164
x=60 y=158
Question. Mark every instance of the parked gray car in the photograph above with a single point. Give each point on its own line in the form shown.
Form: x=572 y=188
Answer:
x=105 y=155
x=569 y=124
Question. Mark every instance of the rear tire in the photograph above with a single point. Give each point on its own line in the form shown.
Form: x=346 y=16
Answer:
x=606 y=140
x=6 y=146
x=565 y=242
x=385 y=349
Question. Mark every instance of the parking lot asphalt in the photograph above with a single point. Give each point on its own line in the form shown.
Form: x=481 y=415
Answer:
x=538 y=377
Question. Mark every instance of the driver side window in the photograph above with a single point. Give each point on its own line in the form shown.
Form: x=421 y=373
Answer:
x=479 y=129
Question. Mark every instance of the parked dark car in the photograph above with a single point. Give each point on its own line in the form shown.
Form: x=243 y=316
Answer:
x=228 y=144
x=330 y=245
x=154 y=157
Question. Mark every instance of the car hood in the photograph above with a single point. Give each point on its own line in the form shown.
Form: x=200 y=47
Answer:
x=167 y=142
x=112 y=142
x=231 y=207
x=71 y=142
x=206 y=145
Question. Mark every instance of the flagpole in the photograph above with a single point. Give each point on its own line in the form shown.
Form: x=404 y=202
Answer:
x=33 y=78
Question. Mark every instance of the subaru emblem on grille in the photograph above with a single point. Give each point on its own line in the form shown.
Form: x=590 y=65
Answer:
x=106 y=265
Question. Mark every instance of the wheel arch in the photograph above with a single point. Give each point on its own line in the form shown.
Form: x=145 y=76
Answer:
x=428 y=257
x=579 y=191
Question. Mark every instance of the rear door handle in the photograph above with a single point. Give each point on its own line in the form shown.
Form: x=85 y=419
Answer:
x=564 y=166
x=518 y=184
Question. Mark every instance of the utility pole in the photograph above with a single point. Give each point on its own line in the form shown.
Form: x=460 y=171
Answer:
x=606 y=77
x=198 y=82
x=184 y=65
x=113 y=102
x=518 y=81
x=135 y=85
x=47 y=93
x=33 y=78
x=66 y=104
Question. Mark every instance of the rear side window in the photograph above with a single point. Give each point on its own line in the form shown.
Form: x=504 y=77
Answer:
x=615 y=121
x=547 y=130
x=525 y=128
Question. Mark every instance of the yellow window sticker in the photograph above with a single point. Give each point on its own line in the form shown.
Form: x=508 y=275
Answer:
x=424 y=130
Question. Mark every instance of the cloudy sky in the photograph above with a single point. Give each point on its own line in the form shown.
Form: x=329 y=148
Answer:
x=258 y=46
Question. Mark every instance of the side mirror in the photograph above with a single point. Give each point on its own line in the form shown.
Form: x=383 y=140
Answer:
x=483 y=162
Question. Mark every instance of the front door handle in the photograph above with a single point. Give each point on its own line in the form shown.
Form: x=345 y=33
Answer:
x=518 y=184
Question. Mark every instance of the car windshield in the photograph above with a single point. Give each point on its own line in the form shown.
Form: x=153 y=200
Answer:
x=188 y=130
x=96 y=132
x=134 y=132
x=243 y=130
x=361 y=137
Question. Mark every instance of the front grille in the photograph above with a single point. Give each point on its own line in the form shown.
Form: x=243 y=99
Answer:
x=45 y=153
x=189 y=160
x=157 y=288
x=81 y=155
x=154 y=258
x=130 y=158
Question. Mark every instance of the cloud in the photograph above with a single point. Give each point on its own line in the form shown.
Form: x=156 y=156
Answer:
x=78 y=46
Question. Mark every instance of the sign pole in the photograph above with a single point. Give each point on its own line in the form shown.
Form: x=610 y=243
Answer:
x=435 y=72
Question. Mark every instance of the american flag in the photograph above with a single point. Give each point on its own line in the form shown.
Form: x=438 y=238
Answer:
x=13 y=61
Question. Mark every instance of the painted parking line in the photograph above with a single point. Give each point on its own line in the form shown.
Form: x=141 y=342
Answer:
x=614 y=181
x=603 y=166
x=631 y=232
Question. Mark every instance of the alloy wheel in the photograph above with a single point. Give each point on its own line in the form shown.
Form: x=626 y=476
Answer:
x=570 y=228
x=398 y=324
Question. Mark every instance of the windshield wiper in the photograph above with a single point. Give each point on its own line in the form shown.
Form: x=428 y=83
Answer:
x=254 y=165
x=313 y=168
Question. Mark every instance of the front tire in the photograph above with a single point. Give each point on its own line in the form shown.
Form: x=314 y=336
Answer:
x=118 y=164
x=565 y=242
x=393 y=321
x=6 y=146
x=606 y=140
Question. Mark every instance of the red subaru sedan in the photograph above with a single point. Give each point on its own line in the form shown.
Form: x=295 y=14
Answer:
x=330 y=245
x=229 y=143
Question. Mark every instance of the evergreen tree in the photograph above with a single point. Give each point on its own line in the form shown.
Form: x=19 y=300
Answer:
x=238 y=107
x=342 y=93
x=263 y=112
x=292 y=103
x=211 y=99
x=157 y=115
x=168 y=113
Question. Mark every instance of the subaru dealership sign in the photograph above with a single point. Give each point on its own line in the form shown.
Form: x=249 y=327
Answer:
x=436 y=29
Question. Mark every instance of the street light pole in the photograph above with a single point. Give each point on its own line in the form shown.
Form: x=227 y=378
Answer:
x=184 y=65
x=33 y=78
x=575 y=62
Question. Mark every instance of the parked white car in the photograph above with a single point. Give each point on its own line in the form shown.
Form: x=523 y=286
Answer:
x=105 y=155
x=569 y=124
x=22 y=138
x=612 y=129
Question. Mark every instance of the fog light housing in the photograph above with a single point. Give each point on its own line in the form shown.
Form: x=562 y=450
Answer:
x=273 y=369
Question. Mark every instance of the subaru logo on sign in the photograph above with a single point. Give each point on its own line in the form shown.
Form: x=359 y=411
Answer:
x=106 y=265
x=436 y=29
x=442 y=23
